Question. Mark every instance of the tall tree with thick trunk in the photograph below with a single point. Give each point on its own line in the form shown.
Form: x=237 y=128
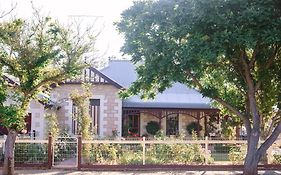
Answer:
x=227 y=50
x=35 y=54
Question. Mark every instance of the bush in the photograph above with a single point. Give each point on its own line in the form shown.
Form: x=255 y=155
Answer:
x=104 y=153
x=237 y=154
x=31 y=153
x=277 y=158
x=152 y=127
x=193 y=126
x=176 y=153
x=155 y=153
x=131 y=157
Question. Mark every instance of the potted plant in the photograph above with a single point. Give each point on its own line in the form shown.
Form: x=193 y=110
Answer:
x=152 y=127
x=193 y=126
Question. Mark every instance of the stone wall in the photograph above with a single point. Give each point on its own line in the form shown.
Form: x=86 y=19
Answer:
x=38 y=122
x=110 y=106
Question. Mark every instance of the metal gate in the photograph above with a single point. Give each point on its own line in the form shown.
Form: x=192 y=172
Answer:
x=65 y=152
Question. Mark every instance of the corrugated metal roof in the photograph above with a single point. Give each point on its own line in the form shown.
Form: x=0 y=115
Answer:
x=177 y=96
x=121 y=71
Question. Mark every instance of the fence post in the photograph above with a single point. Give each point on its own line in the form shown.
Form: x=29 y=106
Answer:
x=143 y=150
x=206 y=149
x=50 y=151
x=79 y=152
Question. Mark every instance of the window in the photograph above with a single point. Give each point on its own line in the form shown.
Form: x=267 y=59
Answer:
x=74 y=119
x=131 y=124
x=27 y=121
x=95 y=115
x=94 y=111
x=172 y=124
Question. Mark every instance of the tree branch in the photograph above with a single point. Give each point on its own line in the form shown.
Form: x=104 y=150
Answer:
x=221 y=101
x=55 y=78
x=275 y=119
x=251 y=93
x=3 y=14
x=267 y=66
x=253 y=59
x=10 y=65
x=270 y=140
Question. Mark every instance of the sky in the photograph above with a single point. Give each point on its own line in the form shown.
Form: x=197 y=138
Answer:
x=99 y=13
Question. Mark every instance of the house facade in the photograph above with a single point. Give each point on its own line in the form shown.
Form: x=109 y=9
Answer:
x=174 y=109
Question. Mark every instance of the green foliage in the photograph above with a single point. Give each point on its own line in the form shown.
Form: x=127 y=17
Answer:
x=152 y=127
x=52 y=125
x=81 y=101
x=237 y=154
x=154 y=153
x=277 y=158
x=31 y=153
x=104 y=153
x=36 y=53
x=131 y=157
x=229 y=51
x=177 y=153
x=193 y=127
x=202 y=44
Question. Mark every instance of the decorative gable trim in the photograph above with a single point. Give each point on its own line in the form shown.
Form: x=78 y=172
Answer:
x=94 y=76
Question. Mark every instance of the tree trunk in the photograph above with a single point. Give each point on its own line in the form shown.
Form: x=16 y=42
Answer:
x=252 y=158
x=251 y=165
x=9 y=162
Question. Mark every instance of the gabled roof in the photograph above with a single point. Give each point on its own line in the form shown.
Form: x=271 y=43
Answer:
x=10 y=80
x=92 y=75
x=121 y=71
x=177 y=96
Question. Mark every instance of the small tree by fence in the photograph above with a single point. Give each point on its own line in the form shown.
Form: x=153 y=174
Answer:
x=143 y=153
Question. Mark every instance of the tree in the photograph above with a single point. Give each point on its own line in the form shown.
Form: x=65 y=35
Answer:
x=36 y=53
x=227 y=50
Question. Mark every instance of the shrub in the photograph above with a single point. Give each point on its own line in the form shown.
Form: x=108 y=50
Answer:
x=237 y=154
x=152 y=127
x=30 y=153
x=193 y=126
x=131 y=157
x=277 y=158
x=104 y=153
x=177 y=153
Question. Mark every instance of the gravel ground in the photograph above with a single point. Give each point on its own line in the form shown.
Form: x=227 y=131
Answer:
x=62 y=172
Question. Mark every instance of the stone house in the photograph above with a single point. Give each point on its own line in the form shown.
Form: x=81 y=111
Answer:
x=173 y=109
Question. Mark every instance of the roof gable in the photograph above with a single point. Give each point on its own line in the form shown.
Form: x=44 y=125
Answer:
x=121 y=71
x=94 y=76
